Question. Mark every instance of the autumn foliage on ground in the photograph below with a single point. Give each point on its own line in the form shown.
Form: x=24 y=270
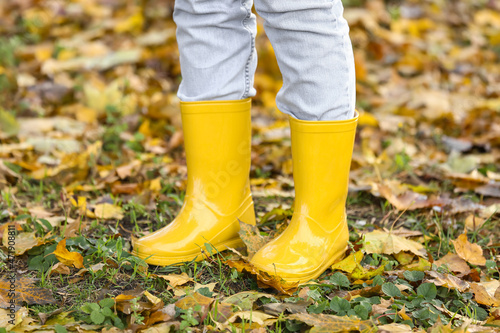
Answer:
x=91 y=157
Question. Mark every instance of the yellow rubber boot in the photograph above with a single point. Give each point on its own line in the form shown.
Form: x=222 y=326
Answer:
x=317 y=235
x=217 y=137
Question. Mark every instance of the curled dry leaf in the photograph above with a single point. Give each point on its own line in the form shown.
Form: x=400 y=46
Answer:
x=59 y=268
x=448 y=281
x=250 y=235
x=472 y=253
x=175 y=280
x=380 y=242
x=68 y=258
x=410 y=200
x=264 y=278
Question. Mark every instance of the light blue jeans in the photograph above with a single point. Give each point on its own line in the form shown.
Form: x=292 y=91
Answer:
x=310 y=38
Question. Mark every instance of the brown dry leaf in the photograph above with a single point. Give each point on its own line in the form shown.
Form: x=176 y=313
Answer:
x=454 y=264
x=265 y=279
x=387 y=243
x=473 y=222
x=276 y=309
x=250 y=235
x=59 y=268
x=128 y=170
x=193 y=300
x=68 y=258
x=27 y=292
x=394 y=328
x=171 y=326
x=106 y=211
x=23 y=242
x=39 y=212
x=5 y=226
x=472 y=253
x=448 y=281
x=410 y=200
x=365 y=292
x=487 y=293
x=322 y=323
x=175 y=280
x=221 y=312
x=378 y=309
x=159 y=316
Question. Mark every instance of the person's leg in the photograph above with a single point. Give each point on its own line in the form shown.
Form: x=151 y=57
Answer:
x=312 y=45
x=216 y=40
x=314 y=53
x=218 y=60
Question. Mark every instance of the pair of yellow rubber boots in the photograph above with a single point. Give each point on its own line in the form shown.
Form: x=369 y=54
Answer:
x=217 y=138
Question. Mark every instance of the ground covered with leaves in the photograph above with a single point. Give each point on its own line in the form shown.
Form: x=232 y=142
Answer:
x=91 y=156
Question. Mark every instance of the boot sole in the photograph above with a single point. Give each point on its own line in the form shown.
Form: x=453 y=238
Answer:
x=179 y=260
x=247 y=216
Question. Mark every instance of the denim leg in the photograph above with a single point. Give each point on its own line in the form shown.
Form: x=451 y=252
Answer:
x=314 y=52
x=216 y=40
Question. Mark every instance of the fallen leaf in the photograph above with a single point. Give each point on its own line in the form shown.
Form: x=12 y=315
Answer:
x=264 y=278
x=194 y=299
x=24 y=241
x=378 y=309
x=276 y=309
x=350 y=263
x=68 y=258
x=175 y=280
x=26 y=292
x=245 y=300
x=322 y=323
x=454 y=264
x=221 y=312
x=256 y=317
x=59 y=268
x=487 y=293
x=472 y=253
x=448 y=281
x=410 y=200
x=473 y=222
x=380 y=242
x=250 y=235
x=394 y=328
x=106 y=211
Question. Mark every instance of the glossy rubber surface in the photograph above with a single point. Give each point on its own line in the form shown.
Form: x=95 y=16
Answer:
x=217 y=138
x=317 y=235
